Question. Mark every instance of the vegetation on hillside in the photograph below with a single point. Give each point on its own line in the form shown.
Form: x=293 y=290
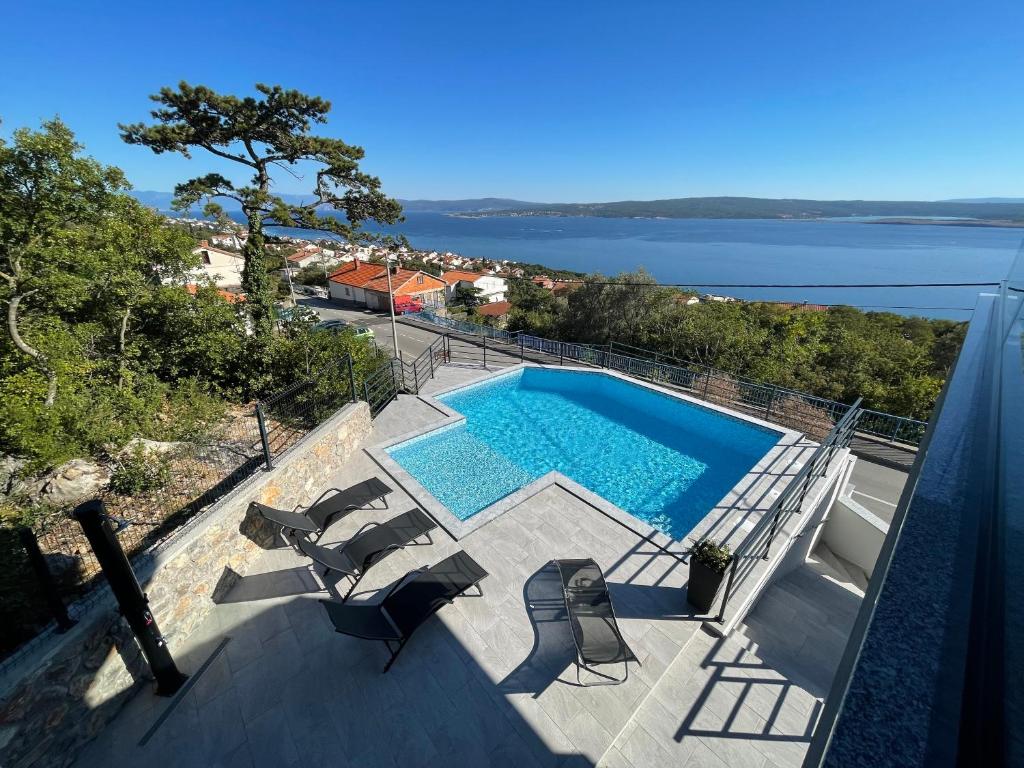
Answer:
x=764 y=208
x=261 y=134
x=897 y=364
x=101 y=342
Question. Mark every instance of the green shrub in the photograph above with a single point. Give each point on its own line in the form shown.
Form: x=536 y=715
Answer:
x=140 y=471
x=712 y=554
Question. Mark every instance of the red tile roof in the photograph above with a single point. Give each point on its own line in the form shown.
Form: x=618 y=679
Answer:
x=454 y=276
x=228 y=296
x=403 y=282
x=494 y=309
x=357 y=274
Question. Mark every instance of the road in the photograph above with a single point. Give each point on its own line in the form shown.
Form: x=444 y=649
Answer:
x=411 y=341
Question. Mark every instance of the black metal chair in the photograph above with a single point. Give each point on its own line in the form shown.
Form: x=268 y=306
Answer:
x=592 y=620
x=330 y=506
x=409 y=603
x=369 y=545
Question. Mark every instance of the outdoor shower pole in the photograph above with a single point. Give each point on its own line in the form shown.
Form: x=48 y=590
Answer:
x=96 y=525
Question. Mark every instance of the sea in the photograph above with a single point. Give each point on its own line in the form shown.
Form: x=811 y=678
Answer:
x=707 y=253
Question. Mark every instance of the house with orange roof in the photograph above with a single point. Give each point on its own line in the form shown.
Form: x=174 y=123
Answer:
x=492 y=288
x=367 y=285
x=496 y=310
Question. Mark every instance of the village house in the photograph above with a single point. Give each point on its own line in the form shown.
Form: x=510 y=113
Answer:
x=222 y=267
x=491 y=287
x=497 y=310
x=362 y=284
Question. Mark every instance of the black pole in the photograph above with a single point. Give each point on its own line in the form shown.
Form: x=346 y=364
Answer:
x=352 y=379
x=264 y=437
x=36 y=559
x=134 y=605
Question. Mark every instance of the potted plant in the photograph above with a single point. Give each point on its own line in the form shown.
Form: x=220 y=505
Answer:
x=708 y=563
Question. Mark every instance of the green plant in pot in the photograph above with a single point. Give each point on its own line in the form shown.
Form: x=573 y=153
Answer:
x=708 y=563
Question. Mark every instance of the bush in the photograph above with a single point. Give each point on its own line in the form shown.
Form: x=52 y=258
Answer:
x=796 y=413
x=712 y=554
x=722 y=389
x=140 y=471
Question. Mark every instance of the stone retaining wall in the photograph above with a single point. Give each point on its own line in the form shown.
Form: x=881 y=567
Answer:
x=68 y=693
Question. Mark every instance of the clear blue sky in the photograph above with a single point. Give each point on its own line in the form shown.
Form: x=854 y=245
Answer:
x=552 y=101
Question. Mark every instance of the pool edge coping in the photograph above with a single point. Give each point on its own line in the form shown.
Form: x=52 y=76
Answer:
x=458 y=529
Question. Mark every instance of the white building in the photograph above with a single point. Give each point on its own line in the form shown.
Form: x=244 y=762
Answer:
x=224 y=268
x=492 y=288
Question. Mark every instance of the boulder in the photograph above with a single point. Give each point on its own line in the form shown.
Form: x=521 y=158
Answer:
x=10 y=475
x=150 y=447
x=73 y=482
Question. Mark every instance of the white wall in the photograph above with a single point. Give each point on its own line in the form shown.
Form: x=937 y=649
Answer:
x=854 y=533
x=224 y=269
x=346 y=293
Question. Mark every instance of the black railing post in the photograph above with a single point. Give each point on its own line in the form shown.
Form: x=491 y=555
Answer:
x=46 y=581
x=707 y=381
x=430 y=354
x=134 y=606
x=352 y=379
x=771 y=533
x=261 y=422
x=485 y=352
x=522 y=353
x=561 y=353
x=728 y=588
x=416 y=374
x=771 y=401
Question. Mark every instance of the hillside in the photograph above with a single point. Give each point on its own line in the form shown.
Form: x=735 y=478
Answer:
x=765 y=208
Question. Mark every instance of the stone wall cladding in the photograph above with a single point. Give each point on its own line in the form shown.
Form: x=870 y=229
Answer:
x=57 y=707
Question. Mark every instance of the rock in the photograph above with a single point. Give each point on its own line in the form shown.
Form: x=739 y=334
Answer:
x=10 y=475
x=73 y=482
x=150 y=447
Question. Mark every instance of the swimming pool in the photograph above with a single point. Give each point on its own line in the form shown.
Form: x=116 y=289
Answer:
x=660 y=458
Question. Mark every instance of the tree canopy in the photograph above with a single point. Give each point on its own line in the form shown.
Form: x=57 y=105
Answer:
x=263 y=133
x=896 y=363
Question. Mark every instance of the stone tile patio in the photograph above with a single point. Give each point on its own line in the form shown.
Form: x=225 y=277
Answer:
x=488 y=681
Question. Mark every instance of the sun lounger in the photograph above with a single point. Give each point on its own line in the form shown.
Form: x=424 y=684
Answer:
x=408 y=604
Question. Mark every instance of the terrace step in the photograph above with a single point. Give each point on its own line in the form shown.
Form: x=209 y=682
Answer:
x=801 y=623
x=718 y=703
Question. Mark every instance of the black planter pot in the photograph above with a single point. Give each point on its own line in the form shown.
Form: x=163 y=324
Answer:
x=703 y=586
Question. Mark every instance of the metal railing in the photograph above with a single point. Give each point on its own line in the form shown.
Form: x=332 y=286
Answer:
x=418 y=372
x=805 y=411
x=758 y=543
x=382 y=386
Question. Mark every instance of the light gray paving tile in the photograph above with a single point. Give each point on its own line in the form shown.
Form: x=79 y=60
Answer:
x=270 y=739
x=589 y=737
x=640 y=748
x=704 y=757
x=613 y=758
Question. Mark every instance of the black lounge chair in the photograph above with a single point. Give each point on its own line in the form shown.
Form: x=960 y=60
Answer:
x=411 y=601
x=369 y=545
x=592 y=620
x=329 y=507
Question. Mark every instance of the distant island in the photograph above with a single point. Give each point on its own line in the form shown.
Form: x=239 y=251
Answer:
x=911 y=211
x=991 y=212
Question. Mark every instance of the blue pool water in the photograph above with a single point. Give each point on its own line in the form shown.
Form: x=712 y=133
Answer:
x=663 y=460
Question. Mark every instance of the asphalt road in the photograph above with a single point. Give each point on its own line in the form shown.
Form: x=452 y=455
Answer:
x=411 y=341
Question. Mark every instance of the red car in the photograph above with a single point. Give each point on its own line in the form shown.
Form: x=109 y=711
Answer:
x=407 y=304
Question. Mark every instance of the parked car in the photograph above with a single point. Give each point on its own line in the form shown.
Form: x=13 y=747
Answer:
x=337 y=326
x=407 y=304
